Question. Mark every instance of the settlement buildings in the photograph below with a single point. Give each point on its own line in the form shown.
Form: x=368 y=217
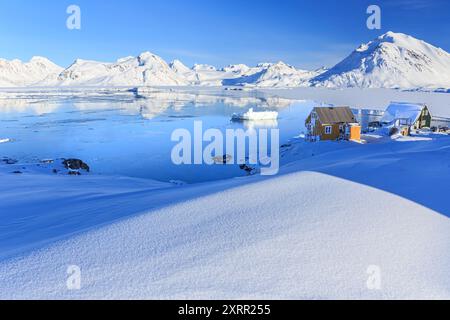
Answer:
x=406 y=117
x=332 y=123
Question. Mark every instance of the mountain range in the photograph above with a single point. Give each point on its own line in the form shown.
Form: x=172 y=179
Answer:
x=393 y=60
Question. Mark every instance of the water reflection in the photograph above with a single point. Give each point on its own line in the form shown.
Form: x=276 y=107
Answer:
x=149 y=105
x=260 y=124
x=123 y=134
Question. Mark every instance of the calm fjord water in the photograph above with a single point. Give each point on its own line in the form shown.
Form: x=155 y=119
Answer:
x=129 y=136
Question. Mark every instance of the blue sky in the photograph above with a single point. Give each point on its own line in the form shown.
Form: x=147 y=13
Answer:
x=304 y=33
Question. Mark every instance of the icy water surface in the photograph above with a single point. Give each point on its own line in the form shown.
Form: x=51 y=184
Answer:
x=131 y=136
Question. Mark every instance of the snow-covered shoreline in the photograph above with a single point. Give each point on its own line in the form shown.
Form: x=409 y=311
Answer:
x=338 y=209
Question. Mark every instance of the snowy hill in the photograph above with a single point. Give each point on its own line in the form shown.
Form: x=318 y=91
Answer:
x=263 y=75
x=312 y=232
x=179 y=67
x=183 y=71
x=393 y=60
x=274 y=75
x=145 y=70
x=16 y=73
x=207 y=75
x=239 y=69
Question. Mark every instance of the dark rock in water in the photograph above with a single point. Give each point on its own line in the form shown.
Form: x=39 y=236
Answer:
x=75 y=164
x=55 y=171
x=47 y=161
x=246 y=168
x=74 y=173
x=17 y=172
x=9 y=161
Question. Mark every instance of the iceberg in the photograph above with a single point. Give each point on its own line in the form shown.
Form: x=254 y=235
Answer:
x=251 y=115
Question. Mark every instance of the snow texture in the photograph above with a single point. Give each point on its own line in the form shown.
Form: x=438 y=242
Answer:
x=312 y=232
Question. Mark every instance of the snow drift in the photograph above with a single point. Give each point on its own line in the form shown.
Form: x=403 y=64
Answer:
x=312 y=232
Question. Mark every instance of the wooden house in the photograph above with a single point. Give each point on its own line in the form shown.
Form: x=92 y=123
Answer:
x=332 y=123
x=407 y=116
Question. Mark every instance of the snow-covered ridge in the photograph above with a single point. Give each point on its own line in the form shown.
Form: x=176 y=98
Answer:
x=274 y=75
x=16 y=73
x=146 y=69
x=393 y=60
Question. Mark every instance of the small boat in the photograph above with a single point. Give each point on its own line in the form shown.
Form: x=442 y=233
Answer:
x=251 y=115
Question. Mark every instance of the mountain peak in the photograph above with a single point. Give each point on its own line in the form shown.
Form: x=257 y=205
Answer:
x=179 y=67
x=393 y=60
x=40 y=59
x=16 y=73
x=393 y=35
x=146 y=54
x=147 y=58
x=177 y=64
x=399 y=39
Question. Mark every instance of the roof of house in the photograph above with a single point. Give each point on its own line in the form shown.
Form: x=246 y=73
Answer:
x=331 y=115
x=403 y=110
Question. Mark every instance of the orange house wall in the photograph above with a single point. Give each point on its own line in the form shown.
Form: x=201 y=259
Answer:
x=355 y=133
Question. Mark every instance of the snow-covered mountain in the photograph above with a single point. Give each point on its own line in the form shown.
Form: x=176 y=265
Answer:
x=239 y=69
x=16 y=73
x=145 y=70
x=393 y=60
x=182 y=70
x=263 y=75
x=207 y=75
x=179 y=67
x=274 y=75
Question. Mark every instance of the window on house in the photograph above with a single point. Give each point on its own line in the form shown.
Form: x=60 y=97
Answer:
x=328 y=129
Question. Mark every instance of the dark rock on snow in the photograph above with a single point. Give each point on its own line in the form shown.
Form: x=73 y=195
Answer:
x=75 y=164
